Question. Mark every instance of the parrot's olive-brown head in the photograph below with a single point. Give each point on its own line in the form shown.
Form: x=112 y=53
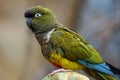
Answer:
x=39 y=19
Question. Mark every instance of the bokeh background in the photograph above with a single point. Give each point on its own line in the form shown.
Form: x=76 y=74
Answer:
x=98 y=21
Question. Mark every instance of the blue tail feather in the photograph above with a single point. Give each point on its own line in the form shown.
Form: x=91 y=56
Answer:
x=103 y=68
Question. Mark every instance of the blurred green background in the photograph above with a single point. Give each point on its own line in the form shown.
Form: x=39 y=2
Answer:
x=98 y=21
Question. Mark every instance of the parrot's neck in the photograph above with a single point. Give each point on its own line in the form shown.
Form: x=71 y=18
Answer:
x=43 y=37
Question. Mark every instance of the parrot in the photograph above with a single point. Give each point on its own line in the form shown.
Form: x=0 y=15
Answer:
x=65 y=48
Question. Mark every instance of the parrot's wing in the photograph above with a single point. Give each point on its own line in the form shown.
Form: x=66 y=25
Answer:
x=75 y=48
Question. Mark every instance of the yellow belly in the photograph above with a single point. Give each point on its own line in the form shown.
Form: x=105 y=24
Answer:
x=59 y=61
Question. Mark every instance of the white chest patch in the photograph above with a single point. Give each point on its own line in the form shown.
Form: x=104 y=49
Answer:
x=47 y=37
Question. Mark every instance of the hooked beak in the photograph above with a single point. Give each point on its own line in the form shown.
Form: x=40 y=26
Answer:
x=28 y=22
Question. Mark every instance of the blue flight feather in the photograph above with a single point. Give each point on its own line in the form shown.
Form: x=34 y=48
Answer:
x=103 y=68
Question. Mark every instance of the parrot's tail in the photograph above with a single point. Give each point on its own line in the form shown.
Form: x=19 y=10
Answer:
x=98 y=75
x=106 y=77
x=114 y=70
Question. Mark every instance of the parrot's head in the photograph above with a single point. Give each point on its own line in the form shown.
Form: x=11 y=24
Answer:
x=39 y=19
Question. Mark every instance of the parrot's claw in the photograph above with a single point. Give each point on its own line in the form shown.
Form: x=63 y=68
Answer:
x=58 y=70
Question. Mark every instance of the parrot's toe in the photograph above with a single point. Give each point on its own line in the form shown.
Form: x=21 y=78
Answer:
x=59 y=70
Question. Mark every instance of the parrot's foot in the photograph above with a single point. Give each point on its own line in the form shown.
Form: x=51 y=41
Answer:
x=59 y=70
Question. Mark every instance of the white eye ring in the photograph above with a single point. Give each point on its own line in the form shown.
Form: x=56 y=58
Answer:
x=37 y=15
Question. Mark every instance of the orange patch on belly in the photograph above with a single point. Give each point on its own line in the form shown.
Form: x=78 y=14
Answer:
x=55 y=64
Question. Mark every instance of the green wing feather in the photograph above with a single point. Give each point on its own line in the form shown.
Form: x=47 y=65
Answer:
x=74 y=46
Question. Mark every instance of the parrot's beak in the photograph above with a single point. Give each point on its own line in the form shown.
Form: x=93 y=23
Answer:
x=28 y=22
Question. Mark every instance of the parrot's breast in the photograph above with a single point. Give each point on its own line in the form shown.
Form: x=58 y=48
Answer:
x=49 y=34
x=44 y=38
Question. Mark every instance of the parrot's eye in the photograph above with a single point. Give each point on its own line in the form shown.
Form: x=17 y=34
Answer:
x=37 y=15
